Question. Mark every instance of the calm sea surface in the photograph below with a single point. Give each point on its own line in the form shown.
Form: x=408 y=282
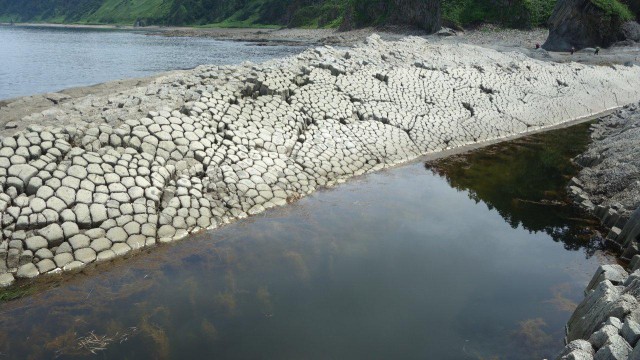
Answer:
x=474 y=257
x=36 y=60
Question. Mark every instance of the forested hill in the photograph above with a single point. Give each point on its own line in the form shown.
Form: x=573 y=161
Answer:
x=294 y=13
x=427 y=14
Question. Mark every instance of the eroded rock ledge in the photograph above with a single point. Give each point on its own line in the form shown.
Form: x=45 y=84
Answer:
x=98 y=177
x=606 y=325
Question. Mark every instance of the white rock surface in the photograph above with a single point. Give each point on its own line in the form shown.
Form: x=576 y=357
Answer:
x=104 y=175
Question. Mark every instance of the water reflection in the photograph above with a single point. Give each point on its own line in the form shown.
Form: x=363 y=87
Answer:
x=394 y=265
x=524 y=181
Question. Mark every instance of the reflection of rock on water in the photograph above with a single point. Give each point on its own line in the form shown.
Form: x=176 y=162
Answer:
x=524 y=181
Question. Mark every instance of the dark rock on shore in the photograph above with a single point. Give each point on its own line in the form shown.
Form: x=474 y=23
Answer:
x=581 y=23
x=630 y=31
x=422 y=14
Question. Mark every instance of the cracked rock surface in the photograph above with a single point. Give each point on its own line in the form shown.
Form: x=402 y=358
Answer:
x=97 y=177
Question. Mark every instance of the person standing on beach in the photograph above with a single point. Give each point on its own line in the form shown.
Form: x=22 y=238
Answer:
x=573 y=50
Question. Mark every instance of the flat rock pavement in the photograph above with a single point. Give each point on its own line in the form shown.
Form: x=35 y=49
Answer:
x=98 y=176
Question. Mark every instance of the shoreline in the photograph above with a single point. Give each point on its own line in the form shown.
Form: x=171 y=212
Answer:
x=178 y=155
x=267 y=35
x=93 y=174
x=606 y=320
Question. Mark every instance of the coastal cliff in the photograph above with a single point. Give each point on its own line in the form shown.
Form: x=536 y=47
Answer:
x=588 y=23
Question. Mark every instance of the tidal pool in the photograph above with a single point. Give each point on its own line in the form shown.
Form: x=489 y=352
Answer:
x=478 y=256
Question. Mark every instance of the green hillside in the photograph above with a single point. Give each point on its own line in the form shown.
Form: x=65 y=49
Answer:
x=293 y=13
x=85 y=11
x=127 y=11
x=514 y=14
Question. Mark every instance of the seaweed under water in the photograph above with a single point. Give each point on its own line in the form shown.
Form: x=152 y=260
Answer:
x=482 y=257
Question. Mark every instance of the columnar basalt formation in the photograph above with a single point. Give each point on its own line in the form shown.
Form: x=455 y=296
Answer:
x=606 y=325
x=98 y=177
x=608 y=184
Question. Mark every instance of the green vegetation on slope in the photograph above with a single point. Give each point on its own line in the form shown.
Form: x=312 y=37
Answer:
x=614 y=8
x=294 y=13
x=515 y=14
x=128 y=11
x=85 y=11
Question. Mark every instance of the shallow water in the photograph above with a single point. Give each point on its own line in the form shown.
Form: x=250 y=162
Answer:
x=397 y=264
x=36 y=60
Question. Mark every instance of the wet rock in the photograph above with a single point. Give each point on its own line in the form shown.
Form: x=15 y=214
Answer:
x=74 y=265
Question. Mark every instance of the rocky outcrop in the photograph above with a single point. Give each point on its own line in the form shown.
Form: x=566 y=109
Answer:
x=422 y=14
x=606 y=325
x=228 y=142
x=630 y=31
x=610 y=174
x=609 y=183
x=609 y=187
x=581 y=24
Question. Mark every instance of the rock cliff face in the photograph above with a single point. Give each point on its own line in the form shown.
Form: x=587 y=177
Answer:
x=581 y=23
x=424 y=14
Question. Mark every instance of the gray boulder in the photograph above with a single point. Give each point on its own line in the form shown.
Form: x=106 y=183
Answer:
x=601 y=303
x=577 y=350
x=630 y=31
x=615 y=349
